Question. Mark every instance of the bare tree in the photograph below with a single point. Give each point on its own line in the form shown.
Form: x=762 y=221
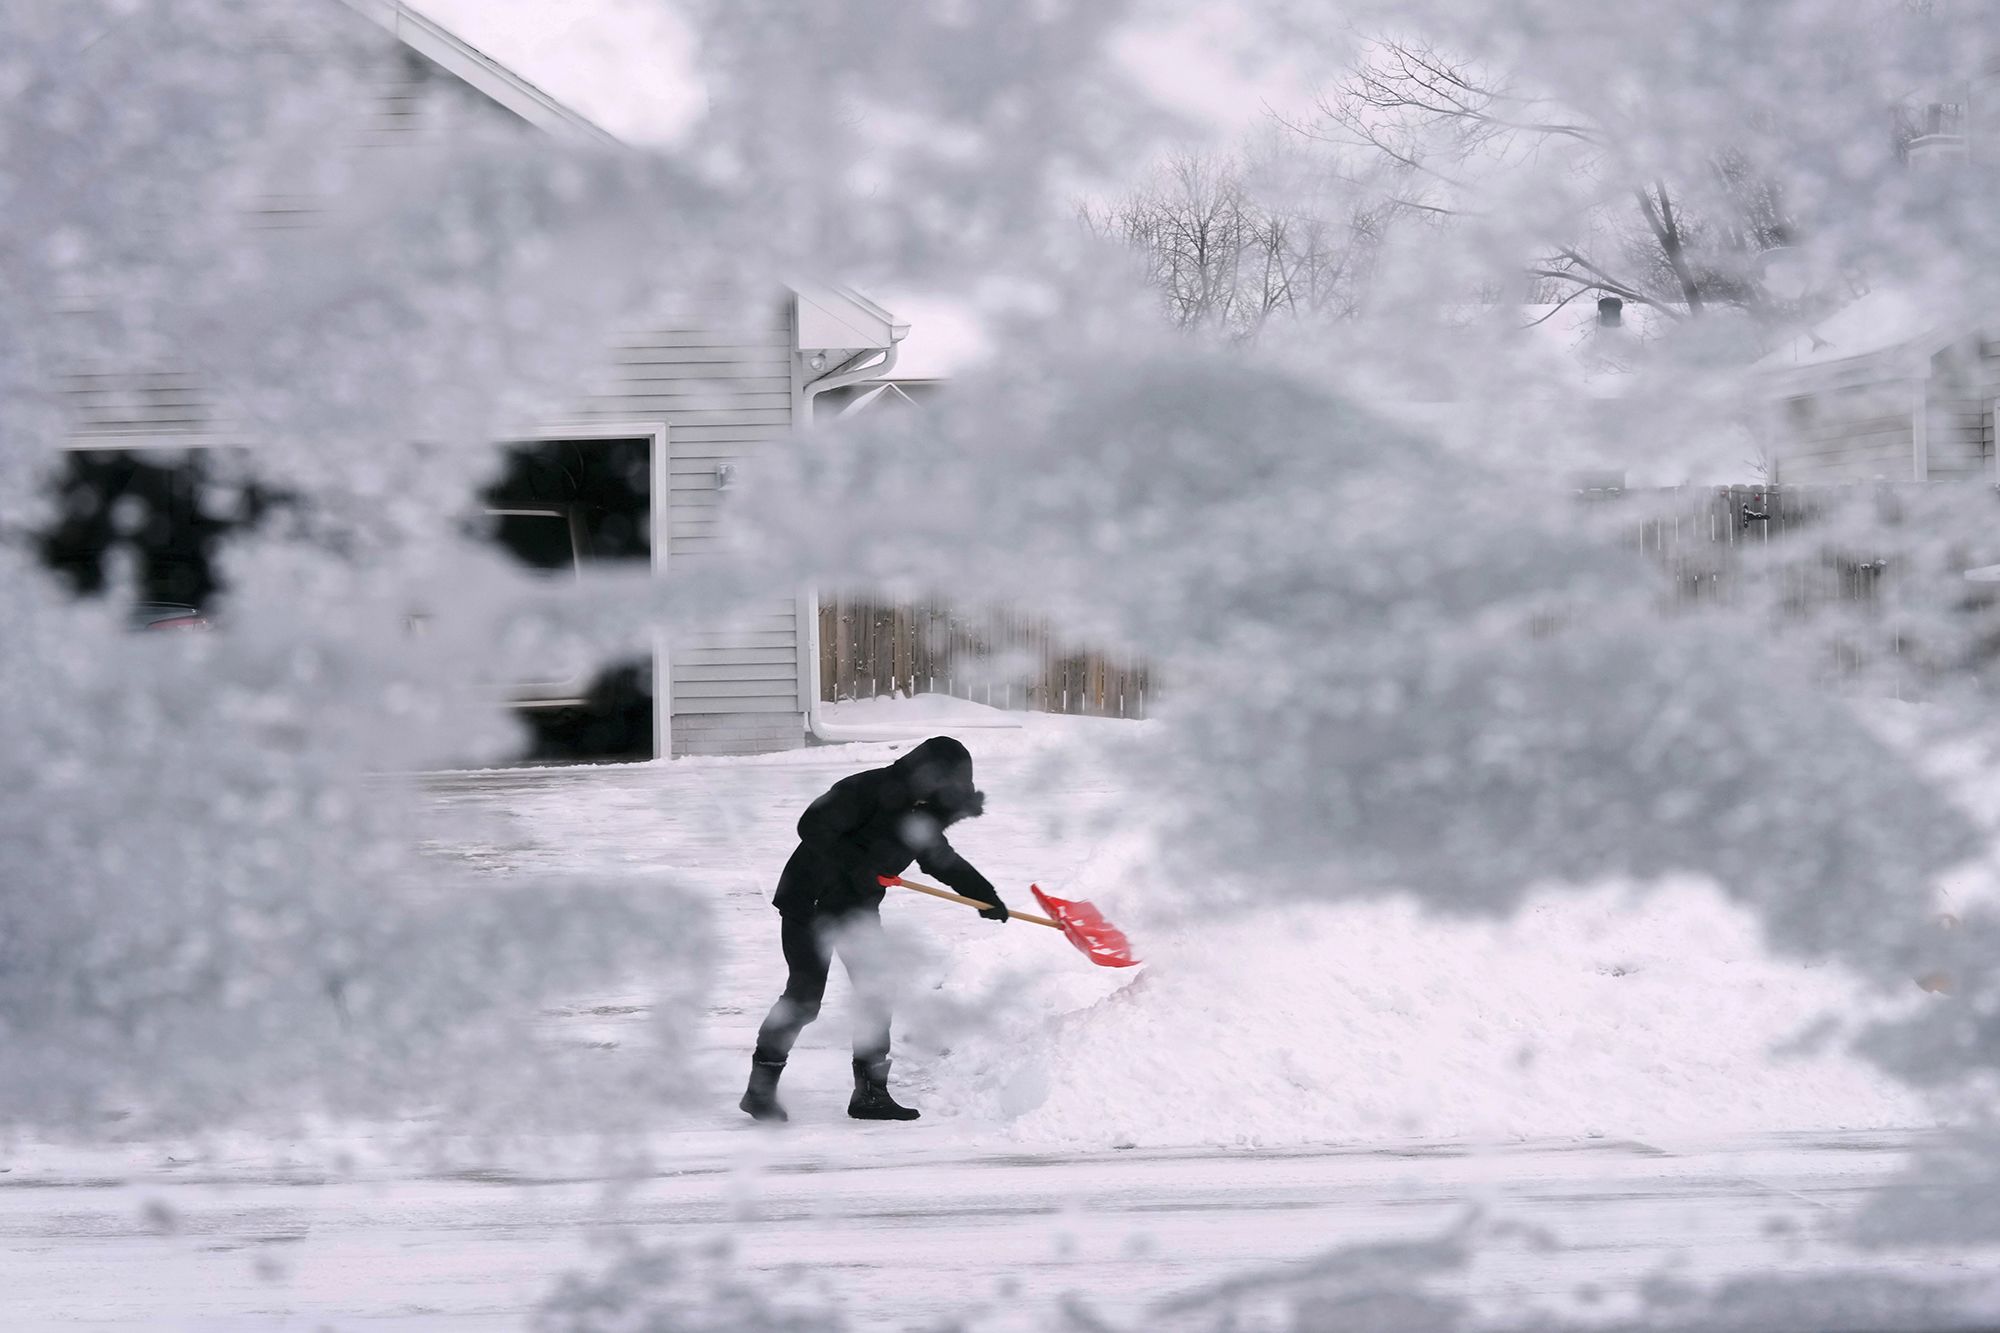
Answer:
x=1231 y=242
x=1421 y=128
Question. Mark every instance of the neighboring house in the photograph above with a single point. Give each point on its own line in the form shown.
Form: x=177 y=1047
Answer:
x=696 y=392
x=1580 y=359
x=1886 y=389
x=1895 y=386
x=1551 y=382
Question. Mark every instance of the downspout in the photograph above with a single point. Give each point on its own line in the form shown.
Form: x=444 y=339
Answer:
x=838 y=379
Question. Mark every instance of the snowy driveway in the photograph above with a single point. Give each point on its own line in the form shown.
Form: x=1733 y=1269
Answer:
x=1253 y=1100
x=905 y=1237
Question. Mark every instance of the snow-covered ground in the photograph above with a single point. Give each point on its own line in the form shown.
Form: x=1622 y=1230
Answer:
x=897 y=1230
x=1607 y=1012
x=1630 y=1072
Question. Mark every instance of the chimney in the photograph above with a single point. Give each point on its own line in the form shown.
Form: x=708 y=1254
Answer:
x=1610 y=312
x=1937 y=136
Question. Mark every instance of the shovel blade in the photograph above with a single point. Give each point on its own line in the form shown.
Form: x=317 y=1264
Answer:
x=1100 y=941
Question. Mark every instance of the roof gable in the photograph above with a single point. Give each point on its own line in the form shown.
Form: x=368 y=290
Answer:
x=479 y=71
x=829 y=318
x=1884 y=334
x=842 y=319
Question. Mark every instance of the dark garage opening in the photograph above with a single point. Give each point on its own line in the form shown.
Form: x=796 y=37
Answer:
x=562 y=506
x=164 y=508
x=559 y=506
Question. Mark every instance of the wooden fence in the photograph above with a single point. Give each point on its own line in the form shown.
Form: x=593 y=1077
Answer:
x=1695 y=533
x=1000 y=657
x=1012 y=660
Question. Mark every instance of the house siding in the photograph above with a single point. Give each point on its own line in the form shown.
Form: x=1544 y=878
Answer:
x=1881 y=418
x=1989 y=380
x=415 y=101
x=1958 y=418
x=721 y=379
x=406 y=101
x=109 y=406
x=1852 y=433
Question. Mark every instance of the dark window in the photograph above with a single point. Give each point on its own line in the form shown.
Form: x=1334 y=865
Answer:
x=603 y=487
x=163 y=507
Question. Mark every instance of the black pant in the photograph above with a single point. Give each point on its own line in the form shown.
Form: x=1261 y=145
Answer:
x=809 y=942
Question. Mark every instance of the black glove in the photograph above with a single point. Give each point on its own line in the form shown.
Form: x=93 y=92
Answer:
x=997 y=912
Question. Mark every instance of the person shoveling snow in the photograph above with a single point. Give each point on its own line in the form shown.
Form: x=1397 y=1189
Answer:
x=863 y=829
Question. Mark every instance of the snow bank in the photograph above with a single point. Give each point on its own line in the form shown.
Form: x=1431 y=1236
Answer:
x=901 y=717
x=1601 y=1014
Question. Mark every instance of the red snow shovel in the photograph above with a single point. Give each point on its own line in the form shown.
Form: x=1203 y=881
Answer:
x=1101 y=942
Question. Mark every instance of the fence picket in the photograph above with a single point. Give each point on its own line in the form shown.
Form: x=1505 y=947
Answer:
x=935 y=646
x=868 y=649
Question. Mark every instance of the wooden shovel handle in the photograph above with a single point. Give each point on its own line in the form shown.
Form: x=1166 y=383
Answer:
x=951 y=897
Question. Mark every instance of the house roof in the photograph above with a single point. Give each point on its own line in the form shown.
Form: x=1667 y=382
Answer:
x=1887 y=334
x=599 y=53
x=886 y=393
x=504 y=85
x=1560 y=347
x=1884 y=321
x=626 y=68
x=842 y=319
x=1563 y=346
x=1542 y=351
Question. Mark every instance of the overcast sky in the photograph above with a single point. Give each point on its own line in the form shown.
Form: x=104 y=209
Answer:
x=631 y=66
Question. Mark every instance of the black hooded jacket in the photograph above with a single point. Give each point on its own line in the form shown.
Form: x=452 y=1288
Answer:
x=876 y=823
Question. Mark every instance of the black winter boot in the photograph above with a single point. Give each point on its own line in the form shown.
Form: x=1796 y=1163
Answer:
x=760 y=1099
x=871 y=1099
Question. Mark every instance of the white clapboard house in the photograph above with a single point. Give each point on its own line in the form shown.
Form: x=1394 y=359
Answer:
x=1892 y=387
x=1899 y=384
x=700 y=390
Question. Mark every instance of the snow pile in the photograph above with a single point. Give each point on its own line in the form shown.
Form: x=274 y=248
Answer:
x=909 y=717
x=1601 y=1014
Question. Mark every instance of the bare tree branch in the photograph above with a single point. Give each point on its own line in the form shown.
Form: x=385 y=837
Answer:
x=1226 y=262
x=1661 y=220
x=1418 y=127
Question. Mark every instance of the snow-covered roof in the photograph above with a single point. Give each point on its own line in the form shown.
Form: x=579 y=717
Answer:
x=1541 y=350
x=1882 y=321
x=1564 y=346
x=1561 y=347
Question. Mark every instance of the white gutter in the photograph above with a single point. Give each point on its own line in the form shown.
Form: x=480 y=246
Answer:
x=816 y=726
x=841 y=379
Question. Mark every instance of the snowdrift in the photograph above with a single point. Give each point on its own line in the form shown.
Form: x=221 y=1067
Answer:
x=1605 y=1013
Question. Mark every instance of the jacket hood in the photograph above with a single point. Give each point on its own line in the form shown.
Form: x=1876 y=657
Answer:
x=939 y=773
